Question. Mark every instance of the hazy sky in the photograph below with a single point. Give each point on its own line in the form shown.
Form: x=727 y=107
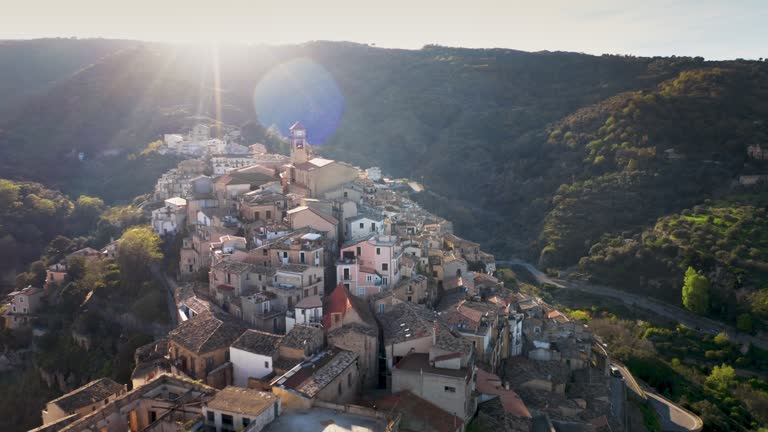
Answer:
x=714 y=29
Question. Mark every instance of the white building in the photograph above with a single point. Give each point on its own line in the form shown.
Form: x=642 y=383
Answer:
x=241 y=409
x=373 y=173
x=170 y=218
x=308 y=311
x=253 y=355
x=363 y=226
x=515 y=334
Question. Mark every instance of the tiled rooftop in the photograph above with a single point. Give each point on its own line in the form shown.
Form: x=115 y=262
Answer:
x=94 y=391
x=258 y=342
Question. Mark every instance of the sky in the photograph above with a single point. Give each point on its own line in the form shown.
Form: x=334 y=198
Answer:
x=714 y=29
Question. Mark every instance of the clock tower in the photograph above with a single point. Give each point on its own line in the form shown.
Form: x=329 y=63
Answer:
x=300 y=151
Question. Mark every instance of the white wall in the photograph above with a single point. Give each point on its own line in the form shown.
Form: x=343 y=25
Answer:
x=261 y=421
x=246 y=364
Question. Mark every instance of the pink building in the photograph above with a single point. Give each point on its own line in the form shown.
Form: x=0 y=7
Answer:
x=366 y=267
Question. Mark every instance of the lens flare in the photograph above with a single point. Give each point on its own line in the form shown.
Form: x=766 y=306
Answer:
x=300 y=90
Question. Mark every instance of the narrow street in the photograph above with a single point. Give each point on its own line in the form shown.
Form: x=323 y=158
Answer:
x=170 y=288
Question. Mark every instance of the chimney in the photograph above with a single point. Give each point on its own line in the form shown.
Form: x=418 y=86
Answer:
x=434 y=333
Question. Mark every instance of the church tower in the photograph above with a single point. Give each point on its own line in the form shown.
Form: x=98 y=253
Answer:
x=300 y=151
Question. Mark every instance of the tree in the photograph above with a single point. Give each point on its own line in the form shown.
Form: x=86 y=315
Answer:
x=721 y=338
x=721 y=377
x=9 y=193
x=75 y=268
x=744 y=322
x=138 y=249
x=696 y=291
x=87 y=212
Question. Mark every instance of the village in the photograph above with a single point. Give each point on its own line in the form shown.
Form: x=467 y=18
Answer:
x=311 y=295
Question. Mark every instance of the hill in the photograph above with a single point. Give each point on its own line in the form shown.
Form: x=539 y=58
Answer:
x=539 y=155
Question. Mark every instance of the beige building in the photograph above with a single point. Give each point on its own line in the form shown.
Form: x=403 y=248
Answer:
x=311 y=175
x=83 y=401
x=351 y=326
x=241 y=409
x=199 y=347
x=331 y=376
x=304 y=216
x=158 y=403
x=22 y=306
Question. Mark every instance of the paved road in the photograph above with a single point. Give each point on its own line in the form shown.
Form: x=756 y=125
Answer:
x=674 y=418
x=685 y=317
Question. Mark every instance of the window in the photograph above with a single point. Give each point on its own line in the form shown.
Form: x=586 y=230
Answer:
x=246 y=421
x=362 y=225
x=381 y=308
x=264 y=252
x=227 y=420
x=359 y=251
x=209 y=363
x=449 y=389
x=373 y=226
x=152 y=416
x=266 y=364
x=211 y=417
x=346 y=194
x=378 y=251
x=369 y=278
x=384 y=281
x=256 y=215
x=315 y=290
x=301 y=258
x=361 y=292
x=21 y=299
x=410 y=299
x=229 y=277
x=339 y=388
x=385 y=267
x=269 y=214
x=349 y=379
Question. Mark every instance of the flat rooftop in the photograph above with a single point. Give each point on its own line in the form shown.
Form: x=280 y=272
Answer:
x=323 y=420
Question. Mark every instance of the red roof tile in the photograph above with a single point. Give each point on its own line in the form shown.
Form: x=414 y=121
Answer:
x=489 y=383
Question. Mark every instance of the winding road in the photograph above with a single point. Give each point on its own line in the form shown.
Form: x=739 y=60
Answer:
x=685 y=317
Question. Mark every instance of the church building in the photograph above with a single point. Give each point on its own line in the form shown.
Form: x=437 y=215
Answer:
x=313 y=176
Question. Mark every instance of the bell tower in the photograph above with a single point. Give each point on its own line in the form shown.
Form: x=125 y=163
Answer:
x=300 y=151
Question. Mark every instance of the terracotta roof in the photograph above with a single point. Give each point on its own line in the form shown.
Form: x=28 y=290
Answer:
x=341 y=301
x=94 y=391
x=207 y=332
x=491 y=384
x=420 y=414
x=242 y=401
x=258 y=342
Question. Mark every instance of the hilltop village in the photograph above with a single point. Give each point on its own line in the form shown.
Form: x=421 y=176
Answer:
x=311 y=293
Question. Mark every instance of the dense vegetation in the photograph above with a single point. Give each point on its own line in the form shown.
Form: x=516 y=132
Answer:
x=725 y=240
x=721 y=381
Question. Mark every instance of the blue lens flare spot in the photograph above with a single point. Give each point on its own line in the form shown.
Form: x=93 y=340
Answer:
x=300 y=90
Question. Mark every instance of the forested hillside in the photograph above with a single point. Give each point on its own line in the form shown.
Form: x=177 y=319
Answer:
x=539 y=155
